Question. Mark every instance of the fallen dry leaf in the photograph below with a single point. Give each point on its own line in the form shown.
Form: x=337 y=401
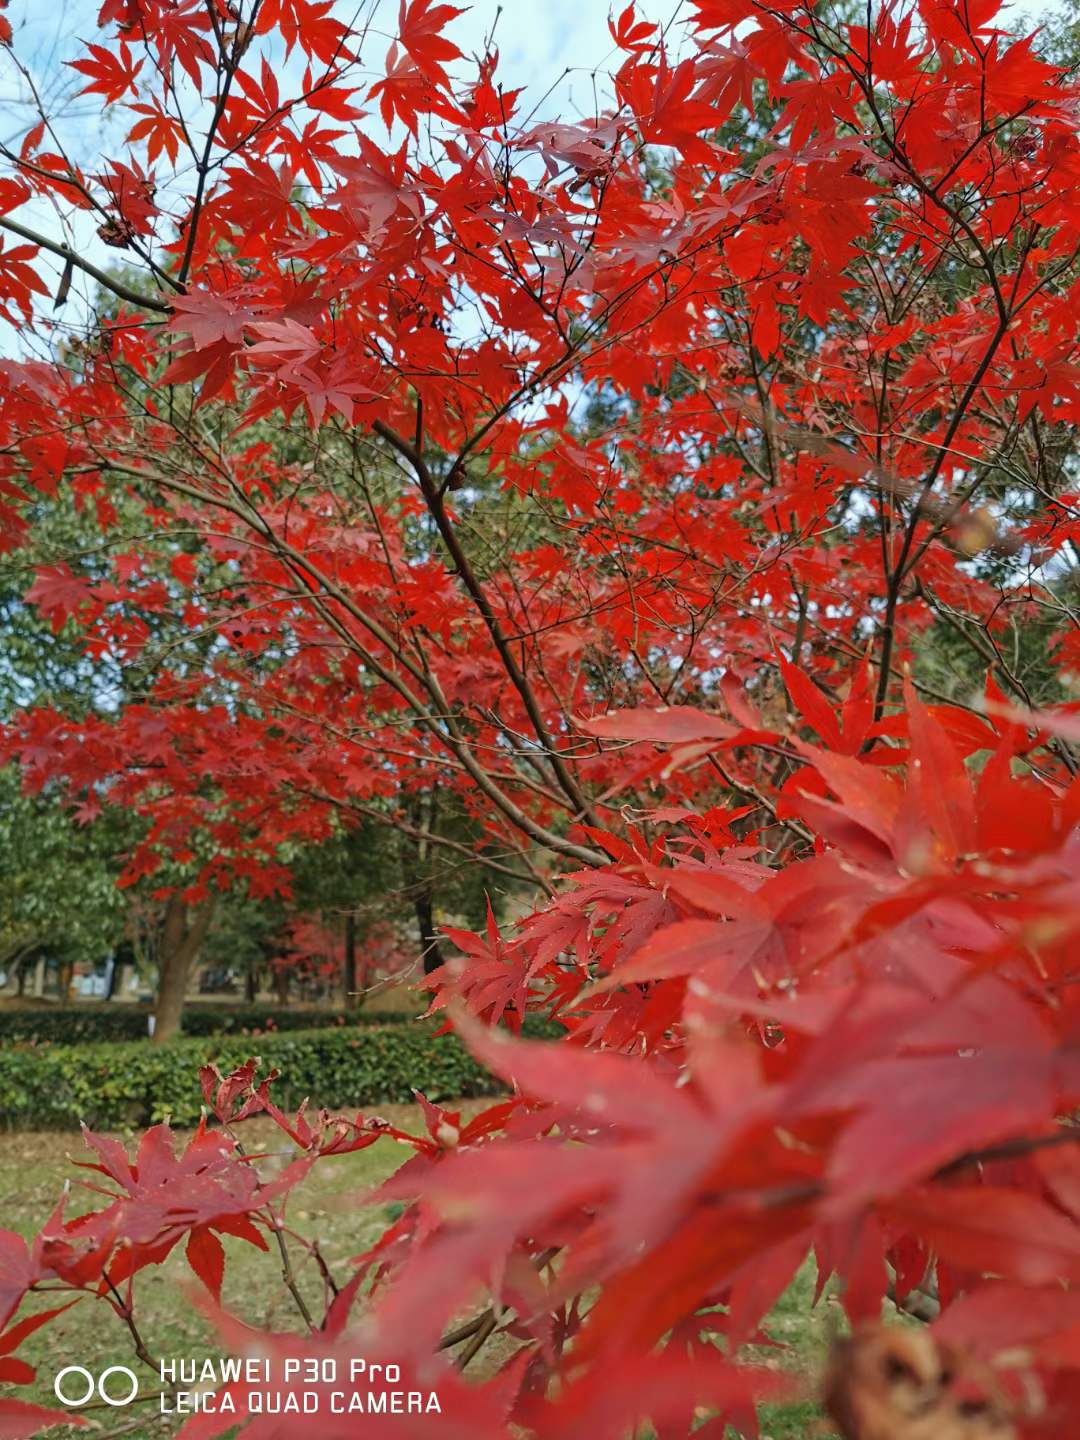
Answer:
x=888 y=1383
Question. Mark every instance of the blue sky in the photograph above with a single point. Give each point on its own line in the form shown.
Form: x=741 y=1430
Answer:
x=536 y=37
x=538 y=42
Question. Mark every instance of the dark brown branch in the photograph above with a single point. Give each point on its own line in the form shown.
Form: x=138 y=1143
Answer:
x=437 y=506
x=117 y=287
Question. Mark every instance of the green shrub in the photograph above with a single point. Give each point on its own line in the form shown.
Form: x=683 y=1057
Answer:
x=235 y=1020
x=117 y=1085
x=70 y=1024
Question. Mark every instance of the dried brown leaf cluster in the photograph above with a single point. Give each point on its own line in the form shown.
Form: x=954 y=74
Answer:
x=887 y=1383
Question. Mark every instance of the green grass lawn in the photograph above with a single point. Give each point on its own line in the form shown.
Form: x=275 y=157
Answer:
x=34 y=1167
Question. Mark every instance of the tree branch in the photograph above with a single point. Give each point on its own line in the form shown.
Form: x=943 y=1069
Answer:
x=117 y=287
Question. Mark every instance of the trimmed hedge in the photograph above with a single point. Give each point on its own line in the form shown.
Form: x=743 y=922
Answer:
x=71 y=1024
x=114 y=1086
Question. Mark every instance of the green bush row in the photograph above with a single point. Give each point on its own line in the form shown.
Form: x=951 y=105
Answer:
x=69 y=1024
x=117 y=1085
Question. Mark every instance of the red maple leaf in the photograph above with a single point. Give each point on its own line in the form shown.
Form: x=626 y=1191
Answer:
x=59 y=594
x=112 y=72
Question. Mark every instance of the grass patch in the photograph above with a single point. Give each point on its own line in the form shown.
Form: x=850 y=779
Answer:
x=34 y=1168
x=805 y=1331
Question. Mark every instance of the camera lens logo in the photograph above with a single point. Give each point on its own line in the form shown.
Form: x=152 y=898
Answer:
x=81 y=1386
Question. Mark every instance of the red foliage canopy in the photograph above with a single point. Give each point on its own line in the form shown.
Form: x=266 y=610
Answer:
x=609 y=475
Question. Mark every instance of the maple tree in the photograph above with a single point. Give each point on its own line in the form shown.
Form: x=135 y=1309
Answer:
x=604 y=483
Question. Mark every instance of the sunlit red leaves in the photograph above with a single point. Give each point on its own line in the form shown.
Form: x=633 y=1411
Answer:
x=159 y=1200
x=940 y=809
x=928 y=826
x=376 y=189
x=1001 y=1315
x=259 y=197
x=628 y=31
x=160 y=131
x=333 y=102
x=14 y=1371
x=495 y=980
x=178 y=34
x=13 y=193
x=670 y=1390
x=814 y=104
x=666 y=724
x=965 y=29
x=216 y=326
x=661 y=98
x=19 y=281
x=112 y=72
x=830 y=954
x=241 y=1093
x=206 y=1256
x=722 y=14
x=130 y=198
x=208 y=1190
x=310 y=24
x=221 y=1092
x=209 y=318
x=326 y=382
x=420 y=27
x=416 y=78
x=406 y=94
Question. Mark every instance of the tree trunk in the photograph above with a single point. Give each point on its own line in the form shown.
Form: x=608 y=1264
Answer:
x=20 y=967
x=424 y=816
x=65 y=977
x=182 y=932
x=425 y=922
x=280 y=978
x=352 y=990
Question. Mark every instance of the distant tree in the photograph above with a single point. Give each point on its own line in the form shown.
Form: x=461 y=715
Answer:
x=58 y=894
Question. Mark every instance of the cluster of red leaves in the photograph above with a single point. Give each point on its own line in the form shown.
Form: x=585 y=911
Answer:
x=814 y=956
x=307 y=947
x=156 y=1201
x=863 y=1055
